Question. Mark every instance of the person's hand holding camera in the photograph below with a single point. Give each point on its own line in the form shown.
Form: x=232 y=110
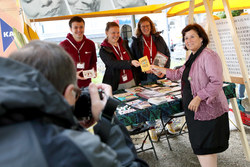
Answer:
x=94 y=103
x=98 y=104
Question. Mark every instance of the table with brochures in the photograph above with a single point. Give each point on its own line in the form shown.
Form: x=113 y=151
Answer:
x=156 y=111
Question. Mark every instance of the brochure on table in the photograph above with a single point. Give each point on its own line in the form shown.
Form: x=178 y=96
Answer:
x=155 y=93
x=167 y=82
x=135 y=90
x=125 y=96
x=161 y=99
x=139 y=104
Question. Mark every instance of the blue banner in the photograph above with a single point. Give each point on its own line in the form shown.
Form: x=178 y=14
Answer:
x=7 y=34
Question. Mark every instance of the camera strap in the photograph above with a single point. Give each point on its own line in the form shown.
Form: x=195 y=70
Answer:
x=109 y=109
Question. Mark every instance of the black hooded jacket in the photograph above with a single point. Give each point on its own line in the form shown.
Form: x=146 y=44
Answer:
x=38 y=129
x=114 y=66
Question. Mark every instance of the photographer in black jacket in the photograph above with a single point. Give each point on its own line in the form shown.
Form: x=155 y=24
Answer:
x=36 y=115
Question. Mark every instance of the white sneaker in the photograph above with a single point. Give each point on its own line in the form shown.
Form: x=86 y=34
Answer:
x=171 y=129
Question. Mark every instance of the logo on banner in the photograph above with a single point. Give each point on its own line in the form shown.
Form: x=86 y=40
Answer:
x=7 y=34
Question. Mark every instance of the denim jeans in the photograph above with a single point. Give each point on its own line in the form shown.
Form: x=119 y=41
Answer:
x=241 y=90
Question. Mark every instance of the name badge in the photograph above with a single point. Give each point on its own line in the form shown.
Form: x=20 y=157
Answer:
x=124 y=77
x=80 y=65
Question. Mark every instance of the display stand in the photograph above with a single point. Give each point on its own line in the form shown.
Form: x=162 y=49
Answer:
x=226 y=74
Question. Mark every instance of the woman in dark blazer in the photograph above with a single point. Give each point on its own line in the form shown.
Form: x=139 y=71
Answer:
x=147 y=43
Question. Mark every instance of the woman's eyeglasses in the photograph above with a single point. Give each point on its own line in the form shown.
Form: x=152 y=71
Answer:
x=145 y=26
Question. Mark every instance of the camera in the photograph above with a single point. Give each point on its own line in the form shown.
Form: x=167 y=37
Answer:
x=83 y=105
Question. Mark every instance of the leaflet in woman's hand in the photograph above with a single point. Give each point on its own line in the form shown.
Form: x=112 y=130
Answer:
x=88 y=73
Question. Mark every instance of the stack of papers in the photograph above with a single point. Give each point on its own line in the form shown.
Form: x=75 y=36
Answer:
x=163 y=90
x=176 y=94
x=135 y=90
x=125 y=110
x=140 y=104
x=161 y=99
x=125 y=96
x=163 y=81
x=151 y=86
x=150 y=93
x=167 y=82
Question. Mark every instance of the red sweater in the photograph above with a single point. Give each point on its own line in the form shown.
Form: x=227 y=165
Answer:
x=87 y=55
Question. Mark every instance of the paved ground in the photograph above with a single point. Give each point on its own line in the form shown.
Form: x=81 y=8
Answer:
x=182 y=155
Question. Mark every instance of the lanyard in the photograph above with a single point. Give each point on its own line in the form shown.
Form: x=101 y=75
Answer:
x=78 y=50
x=150 y=48
x=119 y=54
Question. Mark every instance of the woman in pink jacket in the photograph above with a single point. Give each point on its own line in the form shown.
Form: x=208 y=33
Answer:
x=204 y=101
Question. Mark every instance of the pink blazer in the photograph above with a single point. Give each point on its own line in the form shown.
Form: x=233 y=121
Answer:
x=206 y=80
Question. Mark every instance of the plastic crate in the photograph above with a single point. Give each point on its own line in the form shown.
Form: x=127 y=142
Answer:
x=245 y=117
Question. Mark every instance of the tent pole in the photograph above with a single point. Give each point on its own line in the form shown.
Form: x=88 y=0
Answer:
x=191 y=12
x=190 y=19
x=133 y=23
x=207 y=28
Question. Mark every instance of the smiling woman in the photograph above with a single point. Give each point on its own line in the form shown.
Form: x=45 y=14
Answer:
x=121 y=68
x=148 y=42
x=44 y=8
x=203 y=99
